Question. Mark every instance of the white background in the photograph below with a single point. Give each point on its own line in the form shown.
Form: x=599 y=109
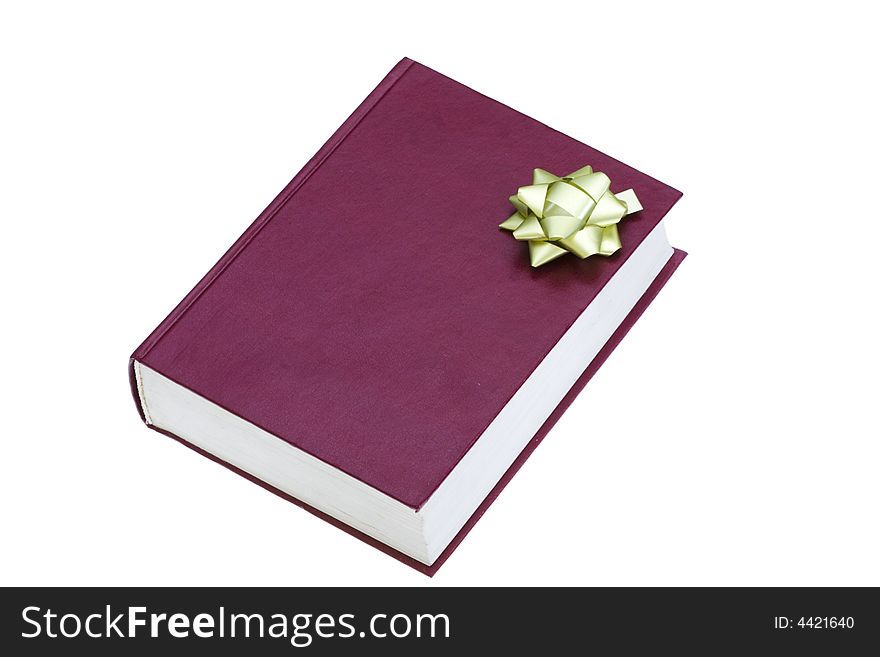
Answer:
x=136 y=143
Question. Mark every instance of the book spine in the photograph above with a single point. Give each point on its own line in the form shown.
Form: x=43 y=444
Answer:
x=271 y=210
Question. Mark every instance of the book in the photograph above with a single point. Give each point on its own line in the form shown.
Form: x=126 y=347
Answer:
x=373 y=347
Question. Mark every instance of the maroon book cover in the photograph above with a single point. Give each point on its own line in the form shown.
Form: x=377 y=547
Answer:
x=373 y=315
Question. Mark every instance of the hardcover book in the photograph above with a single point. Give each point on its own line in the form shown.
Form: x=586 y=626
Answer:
x=374 y=348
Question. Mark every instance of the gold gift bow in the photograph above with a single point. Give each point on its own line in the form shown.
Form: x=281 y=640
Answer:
x=574 y=214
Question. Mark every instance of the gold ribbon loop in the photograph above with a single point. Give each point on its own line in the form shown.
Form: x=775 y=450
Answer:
x=576 y=214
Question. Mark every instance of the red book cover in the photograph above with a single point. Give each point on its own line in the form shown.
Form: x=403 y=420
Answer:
x=374 y=316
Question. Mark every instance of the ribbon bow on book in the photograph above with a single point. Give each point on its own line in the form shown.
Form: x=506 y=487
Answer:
x=574 y=214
